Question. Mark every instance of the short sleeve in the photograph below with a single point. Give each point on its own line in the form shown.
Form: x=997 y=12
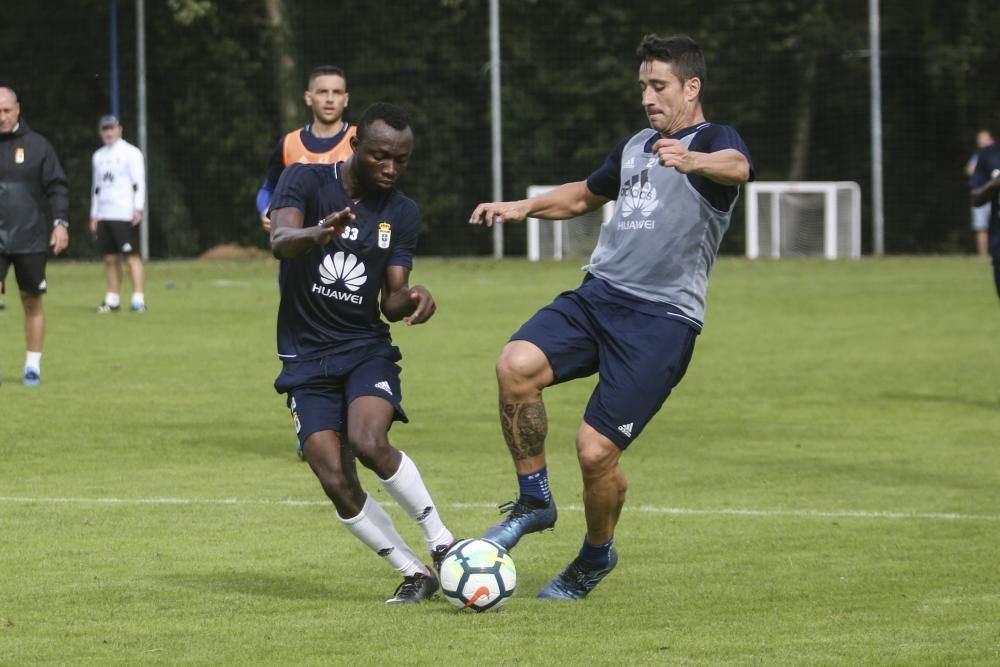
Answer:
x=712 y=139
x=294 y=183
x=405 y=244
x=606 y=180
x=716 y=138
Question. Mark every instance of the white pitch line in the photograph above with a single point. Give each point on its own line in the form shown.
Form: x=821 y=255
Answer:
x=646 y=509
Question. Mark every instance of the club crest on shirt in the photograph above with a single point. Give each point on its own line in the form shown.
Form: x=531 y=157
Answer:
x=19 y=155
x=384 y=234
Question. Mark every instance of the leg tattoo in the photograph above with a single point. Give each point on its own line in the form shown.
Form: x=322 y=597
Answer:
x=524 y=426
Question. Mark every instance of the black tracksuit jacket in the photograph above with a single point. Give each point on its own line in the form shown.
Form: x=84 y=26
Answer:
x=30 y=177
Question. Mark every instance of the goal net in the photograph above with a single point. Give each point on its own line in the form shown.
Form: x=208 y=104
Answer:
x=564 y=239
x=803 y=219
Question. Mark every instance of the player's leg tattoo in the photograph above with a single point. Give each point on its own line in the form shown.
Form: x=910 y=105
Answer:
x=524 y=426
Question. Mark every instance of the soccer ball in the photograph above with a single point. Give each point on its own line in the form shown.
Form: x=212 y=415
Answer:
x=478 y=574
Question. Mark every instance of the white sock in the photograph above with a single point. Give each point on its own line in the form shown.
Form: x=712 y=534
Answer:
x=375 y=528
x=112 y=299
x=138 y=299
x=407 y=488
x=33 y=360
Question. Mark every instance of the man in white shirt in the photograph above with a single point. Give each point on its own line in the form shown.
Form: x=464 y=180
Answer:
x=117 y=199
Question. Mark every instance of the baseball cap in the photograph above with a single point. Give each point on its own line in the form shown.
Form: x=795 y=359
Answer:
x=107 y=120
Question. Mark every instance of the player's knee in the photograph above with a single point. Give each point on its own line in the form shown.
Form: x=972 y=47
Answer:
x=331 y=475
x=346 y=496
x=521 y=365
x=371 y=445
x=32 y=304
x=597 y=454
x=321 y=451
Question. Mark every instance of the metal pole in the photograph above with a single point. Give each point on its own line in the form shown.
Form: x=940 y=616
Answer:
x=875 y=78
x=140 y=88
x=113 y=51
x=495 y=115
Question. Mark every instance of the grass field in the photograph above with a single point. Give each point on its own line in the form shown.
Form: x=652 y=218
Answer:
x=823 y=488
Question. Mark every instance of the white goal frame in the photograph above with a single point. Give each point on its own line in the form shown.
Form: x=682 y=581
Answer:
x=829 y=190
x=534 y=226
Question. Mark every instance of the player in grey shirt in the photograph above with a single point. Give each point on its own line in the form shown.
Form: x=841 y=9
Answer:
x=635 y=318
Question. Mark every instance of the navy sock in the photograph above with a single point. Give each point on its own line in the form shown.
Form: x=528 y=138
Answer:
x=597 y=555
x=536 y=485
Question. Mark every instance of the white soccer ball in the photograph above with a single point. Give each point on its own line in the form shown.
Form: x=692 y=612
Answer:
x=478 y=574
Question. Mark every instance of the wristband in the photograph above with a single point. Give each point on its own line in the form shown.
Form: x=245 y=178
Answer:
x=60 y=221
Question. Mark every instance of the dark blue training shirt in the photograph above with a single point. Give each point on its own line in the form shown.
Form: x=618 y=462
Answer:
x=330 y=295
x=987 y=166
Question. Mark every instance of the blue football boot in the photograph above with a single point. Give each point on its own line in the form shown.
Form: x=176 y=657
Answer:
x=32 y=378
x=576 y=580
x=522 y=518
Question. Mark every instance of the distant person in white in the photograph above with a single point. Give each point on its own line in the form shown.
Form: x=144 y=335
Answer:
x=117 y=199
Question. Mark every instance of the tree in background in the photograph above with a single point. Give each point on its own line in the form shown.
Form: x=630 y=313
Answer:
x=225 y=76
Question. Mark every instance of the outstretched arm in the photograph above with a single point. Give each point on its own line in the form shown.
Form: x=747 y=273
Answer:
x=290 y=239
x=413 y=305
x=566 y=201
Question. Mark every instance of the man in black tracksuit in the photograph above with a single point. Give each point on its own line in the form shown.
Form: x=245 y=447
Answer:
x=30 y=176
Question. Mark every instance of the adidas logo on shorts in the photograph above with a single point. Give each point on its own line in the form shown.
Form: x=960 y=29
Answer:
x=626 y=429
x=384 y=386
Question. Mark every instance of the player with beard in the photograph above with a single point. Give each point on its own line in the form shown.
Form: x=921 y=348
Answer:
x=327 y=139
x=635 y=318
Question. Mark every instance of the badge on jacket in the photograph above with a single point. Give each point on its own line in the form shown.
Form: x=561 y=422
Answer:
x=19 y=155
x=384 y=234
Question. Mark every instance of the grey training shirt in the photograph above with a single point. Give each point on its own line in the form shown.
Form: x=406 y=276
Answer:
x=664 y=234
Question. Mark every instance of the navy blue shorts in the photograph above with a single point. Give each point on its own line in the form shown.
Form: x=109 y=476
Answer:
x=639 y=357
x=319 y=390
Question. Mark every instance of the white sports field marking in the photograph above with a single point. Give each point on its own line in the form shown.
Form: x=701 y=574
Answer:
x=229 y=283
x=222 y=282
x=646 y=509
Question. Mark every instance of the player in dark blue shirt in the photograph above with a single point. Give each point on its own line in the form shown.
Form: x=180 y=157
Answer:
x=345 y=237
x=985 y=186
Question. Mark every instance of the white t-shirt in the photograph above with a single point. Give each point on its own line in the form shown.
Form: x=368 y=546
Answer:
x=119 y=185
